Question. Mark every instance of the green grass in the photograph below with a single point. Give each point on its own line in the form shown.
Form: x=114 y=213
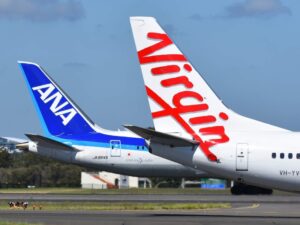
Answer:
x=112 y=191
x=86 y=206
x=17 y=223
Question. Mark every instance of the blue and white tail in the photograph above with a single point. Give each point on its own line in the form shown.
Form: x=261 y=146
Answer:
x=59 y=115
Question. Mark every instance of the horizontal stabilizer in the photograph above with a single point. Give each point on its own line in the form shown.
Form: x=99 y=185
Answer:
x=49 y=143
x=161 y=138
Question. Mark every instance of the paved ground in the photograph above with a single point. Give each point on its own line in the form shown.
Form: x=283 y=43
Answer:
x=293 y=198
x=278 y=209
x=266 y=213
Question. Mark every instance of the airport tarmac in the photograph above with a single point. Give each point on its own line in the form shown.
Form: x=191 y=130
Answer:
x=226 y=198
x=275 y=209
x=265 y=213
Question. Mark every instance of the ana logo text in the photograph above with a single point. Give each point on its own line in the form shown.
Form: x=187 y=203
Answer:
x=49 y=93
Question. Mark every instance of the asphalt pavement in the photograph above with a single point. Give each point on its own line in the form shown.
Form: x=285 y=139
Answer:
x=226 y=198
x=266 y=213
x=276 y=209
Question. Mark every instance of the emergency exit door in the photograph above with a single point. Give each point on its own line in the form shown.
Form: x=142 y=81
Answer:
x=242 y=151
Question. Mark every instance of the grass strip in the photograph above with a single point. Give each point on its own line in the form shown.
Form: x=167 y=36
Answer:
x=86 y=206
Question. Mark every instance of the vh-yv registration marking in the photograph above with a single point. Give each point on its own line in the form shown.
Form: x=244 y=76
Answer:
x=47 y=93
x=146 y=56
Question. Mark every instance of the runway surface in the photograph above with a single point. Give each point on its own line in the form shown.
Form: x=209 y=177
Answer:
x=277 y=209
x=226 y=198
x=267 y=213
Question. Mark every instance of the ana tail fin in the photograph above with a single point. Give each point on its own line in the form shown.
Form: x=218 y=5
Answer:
x=58 y=114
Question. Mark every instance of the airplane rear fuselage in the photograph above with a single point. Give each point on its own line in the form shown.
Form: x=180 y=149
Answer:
x=268 y=159
x=137 y=162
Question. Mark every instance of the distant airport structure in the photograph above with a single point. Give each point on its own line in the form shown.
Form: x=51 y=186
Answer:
x=106 y=180
x=9 y=144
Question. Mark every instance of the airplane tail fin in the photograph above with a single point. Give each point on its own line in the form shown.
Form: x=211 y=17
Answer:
x=180 y=100
x=173 y=86
x=58 y=114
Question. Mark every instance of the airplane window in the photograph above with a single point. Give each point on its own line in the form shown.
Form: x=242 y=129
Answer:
x=143 y=147
x=298 y=155
x=274 y=155
x=290 y=155
x=282 y=155
x=137 y=147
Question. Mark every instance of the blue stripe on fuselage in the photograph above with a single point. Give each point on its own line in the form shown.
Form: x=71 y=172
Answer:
x=102 y=138
x=97 y=141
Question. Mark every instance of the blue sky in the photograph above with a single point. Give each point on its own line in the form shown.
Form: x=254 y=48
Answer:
x=247 y=50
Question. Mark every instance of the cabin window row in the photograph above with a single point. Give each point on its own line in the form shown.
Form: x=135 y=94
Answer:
x=282 y=155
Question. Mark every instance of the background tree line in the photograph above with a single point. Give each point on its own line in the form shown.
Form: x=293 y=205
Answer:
x=28 y=169
x=21 y=170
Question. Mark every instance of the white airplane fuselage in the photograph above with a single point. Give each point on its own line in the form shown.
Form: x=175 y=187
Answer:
x=268 y=159
x=138 y=162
